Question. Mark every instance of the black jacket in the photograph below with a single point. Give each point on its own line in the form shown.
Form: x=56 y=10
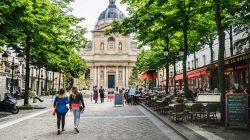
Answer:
x=77 y=100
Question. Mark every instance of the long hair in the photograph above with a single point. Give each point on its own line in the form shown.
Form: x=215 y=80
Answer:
x=74 y=90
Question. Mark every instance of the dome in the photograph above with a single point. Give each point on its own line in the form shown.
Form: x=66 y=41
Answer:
x=112 y=12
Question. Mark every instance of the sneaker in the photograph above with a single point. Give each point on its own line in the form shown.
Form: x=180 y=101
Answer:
x=63 y=130
x=58 y=132
x=77 y=131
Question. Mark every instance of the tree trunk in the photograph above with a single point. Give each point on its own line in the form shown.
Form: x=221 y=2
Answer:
x=231 y=40
x=63 y=81
x=221 y=62
x=174 y=75
x=38 y=84
x=185 y=29
x=59 y=84
x=53 y=85
x=46 y=80
x=167 y=78
x=194 y=60
x=27 y=68
x=211 y=61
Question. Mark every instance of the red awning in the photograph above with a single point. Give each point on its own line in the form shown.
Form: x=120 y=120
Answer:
x=198 y=72
x=179 y=77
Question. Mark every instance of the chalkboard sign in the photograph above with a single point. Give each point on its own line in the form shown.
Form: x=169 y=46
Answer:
x=118 y=99
x=236 y=109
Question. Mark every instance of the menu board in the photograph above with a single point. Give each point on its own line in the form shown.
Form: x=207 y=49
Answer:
x=236 y=108
x=118 y=99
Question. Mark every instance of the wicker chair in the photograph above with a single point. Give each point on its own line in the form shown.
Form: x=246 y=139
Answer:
x=196 y=112
x=178 y=113
x=210 y=111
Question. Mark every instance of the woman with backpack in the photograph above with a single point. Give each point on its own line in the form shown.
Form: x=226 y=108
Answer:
x=76 y=105
x=60 y=105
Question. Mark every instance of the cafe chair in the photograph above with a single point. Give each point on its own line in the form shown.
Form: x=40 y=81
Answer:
x=196 y=112
x=178 y=113
x=210 y=111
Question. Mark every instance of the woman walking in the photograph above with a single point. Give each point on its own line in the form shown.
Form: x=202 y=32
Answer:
x=60 y=109
x=95 y=91
x=76 y=104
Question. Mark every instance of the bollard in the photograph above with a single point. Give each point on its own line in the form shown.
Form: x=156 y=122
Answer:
x=34 y=100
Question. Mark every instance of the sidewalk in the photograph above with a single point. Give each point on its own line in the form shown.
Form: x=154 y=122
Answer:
x=198 y=131
x=99 y=121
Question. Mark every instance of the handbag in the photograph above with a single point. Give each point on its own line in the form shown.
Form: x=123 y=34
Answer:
x=81 y=109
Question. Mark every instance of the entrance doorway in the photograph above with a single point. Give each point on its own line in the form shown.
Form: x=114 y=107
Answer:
x=111 y=81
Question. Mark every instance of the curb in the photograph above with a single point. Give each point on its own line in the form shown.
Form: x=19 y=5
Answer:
x=181 y=130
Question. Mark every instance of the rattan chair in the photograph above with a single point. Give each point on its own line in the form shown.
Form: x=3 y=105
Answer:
x=178 y=113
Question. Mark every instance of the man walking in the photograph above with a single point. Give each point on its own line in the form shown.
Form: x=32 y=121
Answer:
x=101 y=91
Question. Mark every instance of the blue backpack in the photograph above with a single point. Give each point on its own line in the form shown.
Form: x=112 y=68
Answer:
x=61 y=104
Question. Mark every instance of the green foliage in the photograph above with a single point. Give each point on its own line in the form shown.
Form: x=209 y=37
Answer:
x=134 y=79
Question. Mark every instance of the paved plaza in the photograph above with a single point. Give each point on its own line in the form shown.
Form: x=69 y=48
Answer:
x=99 y=121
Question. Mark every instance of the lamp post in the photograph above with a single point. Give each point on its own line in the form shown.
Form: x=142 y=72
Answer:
x=166 y=52
x=5 y=58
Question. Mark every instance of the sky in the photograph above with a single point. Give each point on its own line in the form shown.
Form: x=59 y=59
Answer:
x=91 y=9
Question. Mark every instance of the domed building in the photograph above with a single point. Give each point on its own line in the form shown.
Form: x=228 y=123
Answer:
x=110 y=58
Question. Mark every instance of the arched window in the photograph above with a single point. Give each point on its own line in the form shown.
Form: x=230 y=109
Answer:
x=111 y=42
x=102 y=46
x=120 y=46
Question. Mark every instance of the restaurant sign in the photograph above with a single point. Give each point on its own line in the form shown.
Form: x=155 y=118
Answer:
x=237 y=59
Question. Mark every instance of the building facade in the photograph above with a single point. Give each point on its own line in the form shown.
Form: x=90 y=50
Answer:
x=110 y=58
x=37 y=82
x=202 y=72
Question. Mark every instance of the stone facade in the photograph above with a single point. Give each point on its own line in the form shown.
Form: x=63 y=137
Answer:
x=110 y=58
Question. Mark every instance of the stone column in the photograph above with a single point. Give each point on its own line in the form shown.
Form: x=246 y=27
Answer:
x=105 y=78
x=98 y=76
x=116 y=77
x=123 y=77
x=95 y=72
x=126 y=72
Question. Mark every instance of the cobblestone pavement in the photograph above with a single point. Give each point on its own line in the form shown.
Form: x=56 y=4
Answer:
x=99 y=121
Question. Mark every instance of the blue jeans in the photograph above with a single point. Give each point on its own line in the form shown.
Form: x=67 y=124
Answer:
x=76 y=113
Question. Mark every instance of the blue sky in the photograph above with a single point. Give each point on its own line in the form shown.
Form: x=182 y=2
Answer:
x=91 y=9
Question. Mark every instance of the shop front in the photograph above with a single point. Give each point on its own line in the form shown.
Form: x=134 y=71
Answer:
x=237 y=72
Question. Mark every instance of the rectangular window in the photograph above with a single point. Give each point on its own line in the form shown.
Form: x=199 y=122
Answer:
x=196 y=64
x=204 y=60
x=192 y=64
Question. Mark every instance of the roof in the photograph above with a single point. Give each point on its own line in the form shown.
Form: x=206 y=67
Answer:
x=112 y=12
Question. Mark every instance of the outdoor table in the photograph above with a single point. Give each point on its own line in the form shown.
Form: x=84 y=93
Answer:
x=189 y=105
x=171 y=106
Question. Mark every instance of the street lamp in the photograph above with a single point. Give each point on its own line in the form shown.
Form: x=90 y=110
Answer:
x=181 y=52
x=165 y=50
x=5 y=58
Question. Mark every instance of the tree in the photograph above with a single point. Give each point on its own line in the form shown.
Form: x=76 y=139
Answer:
x=42 y=24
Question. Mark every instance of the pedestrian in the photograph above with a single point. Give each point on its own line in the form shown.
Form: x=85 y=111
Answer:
x=95 y=97
x=101 y=91
x=76 y=105
x=60 y=108
x=126 y=96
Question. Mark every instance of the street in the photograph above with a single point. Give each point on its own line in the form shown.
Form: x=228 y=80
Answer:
x=99 y=121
